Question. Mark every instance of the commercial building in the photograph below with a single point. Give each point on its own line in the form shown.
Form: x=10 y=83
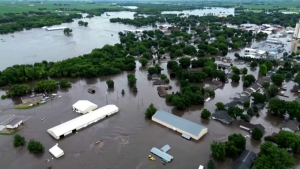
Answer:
x=14 y=123
x=179 y=124
x=56 y=151
x=297 y=31
x=274 y=40
x=84 y=106
x=80 y=122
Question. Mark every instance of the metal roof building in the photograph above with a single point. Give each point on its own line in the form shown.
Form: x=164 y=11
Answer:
x=84 y=106
x=56 y=151
x=74 y=125
x=179 y=124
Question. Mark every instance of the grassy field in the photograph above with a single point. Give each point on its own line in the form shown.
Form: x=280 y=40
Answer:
x=26 y=106
x=17 y=7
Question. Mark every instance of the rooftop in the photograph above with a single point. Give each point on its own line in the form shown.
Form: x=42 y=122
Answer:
x=245 y=160
x=231 y=104
x=14 y=121
x=178 y=122
x=255 y=86
x=252 y=126
x=223 y=116
x=162 y=92
x=158 y=82
x=291 y=124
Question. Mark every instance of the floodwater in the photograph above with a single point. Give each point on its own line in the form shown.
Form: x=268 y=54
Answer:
x=127 y=136
x=205 y=11
x=36 y=45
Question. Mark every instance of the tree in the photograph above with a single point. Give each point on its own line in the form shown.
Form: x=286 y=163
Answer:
x=297 y=79
x=263 y=69
x=239 y=141
x=86 y=24
x=67 y=31
x=258 y=98
x=287 y=139
x=80 y=23
x=45 y=85
x=123 y=92
x=269 y=65
x=211 y=164
x=35 y=147
x=154 y=70
x=235 y=78
x=110 y=83
x=250 y=78
x=18 y=90
x=250 y=111
x=147 y=55
x=231 y=150
x=218 y=150
x=151 y=110
x=235 y=112
x=244 y=71
x=224 y=53
x=134 y=89
x=246 y=104
x=270 y=156
x=277 y=79
x=220 y=106
x=273 y=91
x=19 y=140
x=178 y=102
x=205 y=114
x=256 y=134
x=64 y=83
x=266 y=85
x=185 y=62
x=143 y=61
x=131 y=79
x=253 y=64
x=246 y=83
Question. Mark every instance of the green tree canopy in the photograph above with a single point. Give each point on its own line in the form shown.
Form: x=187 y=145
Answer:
x=263 y=69
x=151 y=110
x=277 y=79
x=220 y=106
x=35 y=147
x=218 y=150
x=205 y=114
x=256 y=134
x=235 y=78
x=110 y=83
x=19 y=140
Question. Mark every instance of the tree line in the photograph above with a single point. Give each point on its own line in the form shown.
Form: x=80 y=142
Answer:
x=108 y=60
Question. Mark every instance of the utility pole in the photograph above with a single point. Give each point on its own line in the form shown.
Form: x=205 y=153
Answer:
x=106 y=99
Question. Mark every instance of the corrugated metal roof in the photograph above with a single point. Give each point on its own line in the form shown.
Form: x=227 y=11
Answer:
x=161 y=154
x=166 y=148
x=178 y=122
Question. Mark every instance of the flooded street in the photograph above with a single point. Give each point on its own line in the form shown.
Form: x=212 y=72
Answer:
x=127 y=136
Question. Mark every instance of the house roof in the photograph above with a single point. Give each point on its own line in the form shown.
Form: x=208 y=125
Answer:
x=291 y=124
x=178 y=122
x=154 y=75
x=255 y=86
x=245 y=160
x=222 y=115
x=158 y=82
x=242 y=99
x=252 y=126
x=250 y=91
x=259 y=105
x=14 y=121
x=194 y=69
x=85 y=105
x=162 y=92
x=231 y=104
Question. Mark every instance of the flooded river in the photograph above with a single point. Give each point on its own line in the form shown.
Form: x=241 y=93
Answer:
x=127 y=136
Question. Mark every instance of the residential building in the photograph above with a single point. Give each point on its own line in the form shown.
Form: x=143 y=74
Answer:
x=154 y=76
x=290 y=125
x=249 y=126
x=255 y=87
x=230 y=104
x=297 y=31
x=162 y=91
x=242 y=99
x=159 y=82
x=245 y=160
x=221 y=115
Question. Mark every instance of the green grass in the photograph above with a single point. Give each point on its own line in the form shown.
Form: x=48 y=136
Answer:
x=17 y=7
x=30 y=107
x=11 y=133
x=253 y=10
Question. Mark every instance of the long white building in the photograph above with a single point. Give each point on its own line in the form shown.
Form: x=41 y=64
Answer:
x=80 y=122
x=297 y=31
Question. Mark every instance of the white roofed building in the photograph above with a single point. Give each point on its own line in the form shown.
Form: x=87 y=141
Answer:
x=84 y=106
x=72 y=126
x=56 y=151
x=297 y=31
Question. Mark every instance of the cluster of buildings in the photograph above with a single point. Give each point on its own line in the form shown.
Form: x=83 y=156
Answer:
x=10 y=122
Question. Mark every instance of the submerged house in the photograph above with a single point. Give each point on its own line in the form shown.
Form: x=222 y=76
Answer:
x=290 y=125
x=245 y=160
x=221 y=115
x=249 y=126
x=230 y=104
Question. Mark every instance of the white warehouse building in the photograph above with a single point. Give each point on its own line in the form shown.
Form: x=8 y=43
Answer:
x=76 y=124
x=84 y=106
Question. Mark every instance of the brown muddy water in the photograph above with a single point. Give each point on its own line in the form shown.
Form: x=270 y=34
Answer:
x=127 y=136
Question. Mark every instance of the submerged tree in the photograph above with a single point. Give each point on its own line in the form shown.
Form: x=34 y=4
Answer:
x=19 y=140
x=67 y=31
x=35 y=147
x=205 y=114
x=151 y=110
x=110 y=83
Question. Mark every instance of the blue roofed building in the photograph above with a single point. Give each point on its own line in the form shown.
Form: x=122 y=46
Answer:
x=179 y=124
